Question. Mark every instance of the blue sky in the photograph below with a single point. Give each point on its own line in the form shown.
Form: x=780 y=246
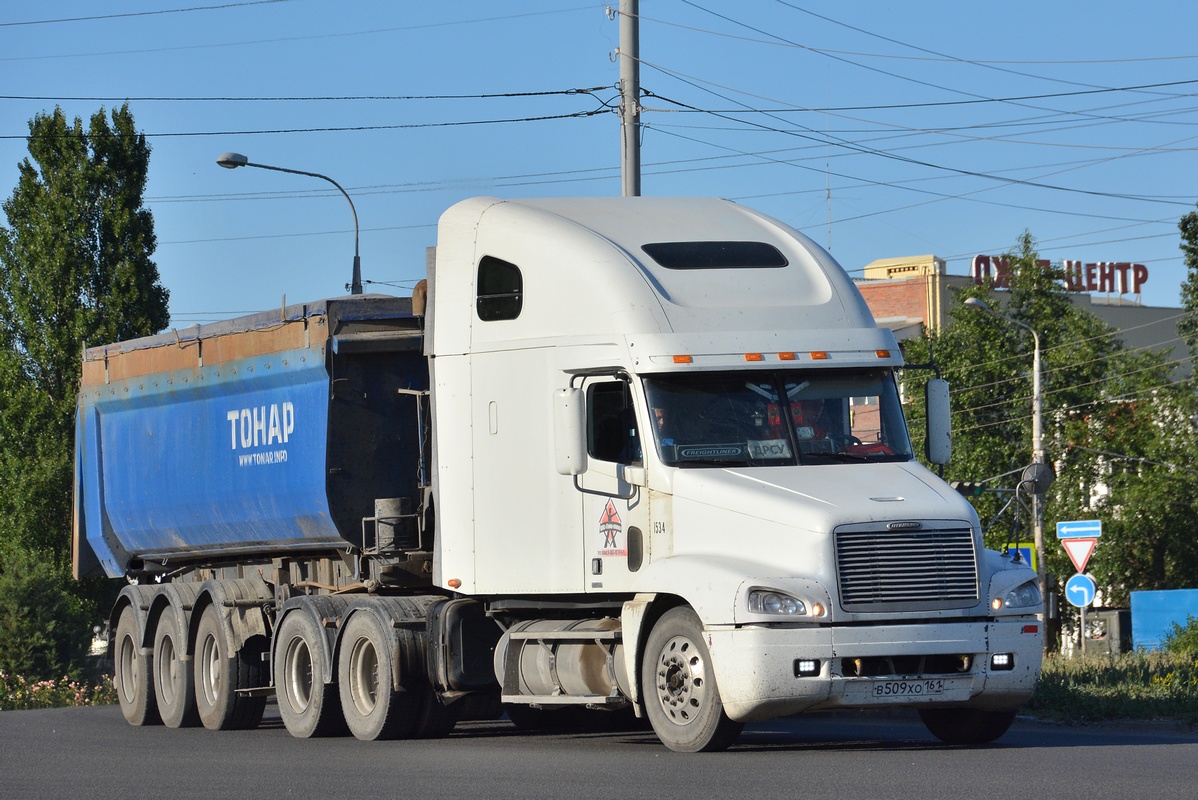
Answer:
x=880 y=129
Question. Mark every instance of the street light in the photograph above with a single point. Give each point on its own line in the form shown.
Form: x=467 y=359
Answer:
x=235 y=160
x=1037 y=472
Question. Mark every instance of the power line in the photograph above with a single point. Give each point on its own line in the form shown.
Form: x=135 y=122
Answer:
x=259 y=42
x=306 y=98
x=1106 y=378
x=918 y=162
x=934 y=58
x=361 y=128
x=140 y=13
x=972 y=102
x=1106 y=400
x=1073 y=344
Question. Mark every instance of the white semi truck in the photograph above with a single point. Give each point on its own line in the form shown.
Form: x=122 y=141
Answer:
x=637 y=453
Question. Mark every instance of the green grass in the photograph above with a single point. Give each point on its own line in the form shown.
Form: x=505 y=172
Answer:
x=16 y=693
x=1154 y=685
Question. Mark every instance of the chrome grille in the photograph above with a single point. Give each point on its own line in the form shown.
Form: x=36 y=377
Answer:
x=928 y=568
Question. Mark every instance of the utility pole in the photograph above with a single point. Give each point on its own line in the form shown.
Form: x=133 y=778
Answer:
x=1038 y=476
x=630 y=97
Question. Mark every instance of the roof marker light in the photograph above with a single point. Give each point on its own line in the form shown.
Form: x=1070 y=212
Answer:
x=819 y=355
x=754 y=357
x=786 y=356
x=882 y=353
x=683 y=360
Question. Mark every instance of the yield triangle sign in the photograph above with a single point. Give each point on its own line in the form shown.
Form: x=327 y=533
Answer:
x=1079 y=551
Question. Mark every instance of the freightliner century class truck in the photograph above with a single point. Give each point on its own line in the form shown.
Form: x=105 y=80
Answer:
x=634 y=455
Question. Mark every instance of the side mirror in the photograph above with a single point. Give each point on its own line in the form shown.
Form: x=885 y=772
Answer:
x=938 y=446
x=569 y=431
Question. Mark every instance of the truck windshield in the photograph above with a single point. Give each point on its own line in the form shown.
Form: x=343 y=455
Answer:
x=777 y=418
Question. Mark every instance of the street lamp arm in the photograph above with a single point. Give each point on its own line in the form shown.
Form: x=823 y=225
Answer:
x=234 y=160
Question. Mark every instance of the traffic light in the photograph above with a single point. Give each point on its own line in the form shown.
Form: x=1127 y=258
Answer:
x=968 y=488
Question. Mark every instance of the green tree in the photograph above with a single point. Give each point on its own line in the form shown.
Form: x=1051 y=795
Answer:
x=1142 y=447
x=75 y=269
x=1188 y=327
x=988 y=362
x=1117 y=431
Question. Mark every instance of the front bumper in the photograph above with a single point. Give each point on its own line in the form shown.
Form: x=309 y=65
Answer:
x=869 y=666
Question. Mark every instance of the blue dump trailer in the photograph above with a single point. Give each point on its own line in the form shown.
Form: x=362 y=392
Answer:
x=238 y=475
x=626 y=460
x=274 y=434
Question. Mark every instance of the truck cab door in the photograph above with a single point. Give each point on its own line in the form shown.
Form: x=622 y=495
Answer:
x=615 y=501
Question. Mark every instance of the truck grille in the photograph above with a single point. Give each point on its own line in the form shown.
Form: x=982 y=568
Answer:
x=916 y=569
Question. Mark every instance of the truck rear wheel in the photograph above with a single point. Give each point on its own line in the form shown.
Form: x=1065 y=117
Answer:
x=966 y=725
x=219 y=672
x=174 y=681
x=370 y=656
x=309 y=706
x=679 y=688
x=133 y=674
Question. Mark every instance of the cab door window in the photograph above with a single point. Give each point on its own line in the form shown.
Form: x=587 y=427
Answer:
x=612 y=433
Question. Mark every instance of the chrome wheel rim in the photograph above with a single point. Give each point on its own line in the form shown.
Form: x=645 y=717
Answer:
x=298 y=669
x=364 y=676
x=210 y=670
x=681 y=681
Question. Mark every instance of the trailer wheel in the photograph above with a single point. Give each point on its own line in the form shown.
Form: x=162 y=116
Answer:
x=220 y=672
x=174 y=681
x=133 y=674
x=309 y=706
x=370 y=656
x=966 y=725
x=681 y=696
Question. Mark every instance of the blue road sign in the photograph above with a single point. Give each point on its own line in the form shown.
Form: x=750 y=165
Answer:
x=1088 y=529
x=1080 y=590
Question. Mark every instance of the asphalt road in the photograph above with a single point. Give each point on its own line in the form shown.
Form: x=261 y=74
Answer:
x=92 y=753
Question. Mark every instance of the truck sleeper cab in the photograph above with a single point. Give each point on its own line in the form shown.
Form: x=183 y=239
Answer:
x=634 y=453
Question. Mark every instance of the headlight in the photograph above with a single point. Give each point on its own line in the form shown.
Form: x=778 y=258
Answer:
x=1022 y=596
x=763 y=601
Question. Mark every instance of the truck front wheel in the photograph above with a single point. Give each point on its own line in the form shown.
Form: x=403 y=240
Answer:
x=966 y=725
x=679 y=687
x=309 y=706
x=132 y=673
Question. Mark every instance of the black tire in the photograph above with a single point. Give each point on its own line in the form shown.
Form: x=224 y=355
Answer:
x=966 y=725
x=220 y=671
x=309 y=706
x=681 y=696
x=369 y=656
x=434 y=719
x=133 y=673
x=174 y=680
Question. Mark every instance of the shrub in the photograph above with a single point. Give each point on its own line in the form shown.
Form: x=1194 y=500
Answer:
x=44 y=626
x=16 y=693
x=1183 y=639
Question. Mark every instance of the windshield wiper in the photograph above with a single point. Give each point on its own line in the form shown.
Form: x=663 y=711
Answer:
x=853 y=457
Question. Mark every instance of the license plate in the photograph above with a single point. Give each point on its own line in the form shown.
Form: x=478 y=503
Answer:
x=924 y=688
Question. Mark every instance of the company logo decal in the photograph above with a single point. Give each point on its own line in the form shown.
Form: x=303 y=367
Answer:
x=611 y=528
x=261 y=427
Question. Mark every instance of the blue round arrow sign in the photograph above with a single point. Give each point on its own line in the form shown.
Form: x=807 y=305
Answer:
x=1080 y=590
